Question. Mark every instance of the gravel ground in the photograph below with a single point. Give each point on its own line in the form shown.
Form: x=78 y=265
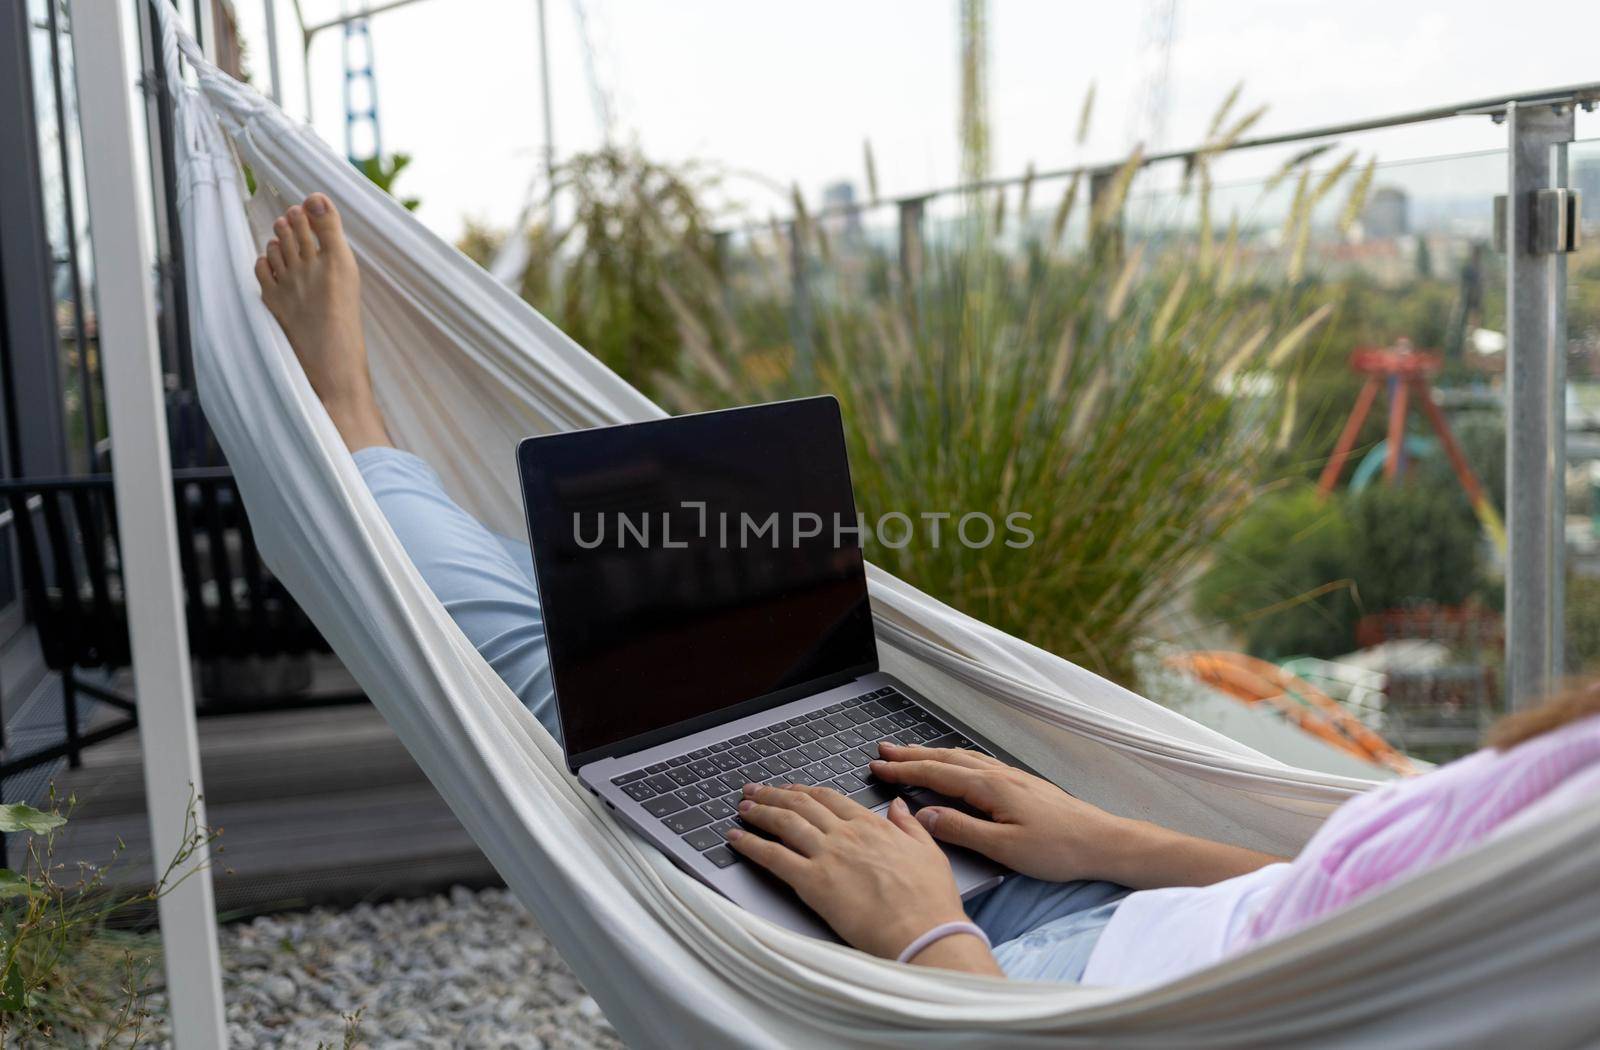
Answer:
x=467 y=970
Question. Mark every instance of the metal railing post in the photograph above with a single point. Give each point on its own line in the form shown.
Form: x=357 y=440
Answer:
x=800 y=305
x=1536 y=329
x=911 y=213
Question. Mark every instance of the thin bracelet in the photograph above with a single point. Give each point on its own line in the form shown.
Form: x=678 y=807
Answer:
x=939 y=933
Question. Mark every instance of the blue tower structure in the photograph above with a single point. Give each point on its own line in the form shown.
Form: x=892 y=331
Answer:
x=362 y=139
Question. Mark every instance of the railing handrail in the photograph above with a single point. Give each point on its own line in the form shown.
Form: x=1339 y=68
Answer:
x=1585 y=95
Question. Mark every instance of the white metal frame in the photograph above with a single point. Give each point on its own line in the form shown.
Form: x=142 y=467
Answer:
x=130 y=355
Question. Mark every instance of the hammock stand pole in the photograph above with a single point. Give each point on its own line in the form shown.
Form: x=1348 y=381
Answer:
x=141 y=465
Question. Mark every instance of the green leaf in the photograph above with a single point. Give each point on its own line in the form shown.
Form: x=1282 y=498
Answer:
x=13 y=992
x=20 y=816
x=14 y=885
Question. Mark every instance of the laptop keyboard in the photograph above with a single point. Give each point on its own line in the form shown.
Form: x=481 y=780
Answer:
x=696 y=795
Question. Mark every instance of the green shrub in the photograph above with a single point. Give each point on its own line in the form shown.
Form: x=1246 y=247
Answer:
x=1414 y=543
x=1282 y=577
x=1298 y=572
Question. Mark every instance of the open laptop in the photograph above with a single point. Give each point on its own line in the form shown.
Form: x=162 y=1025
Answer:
x=706 y=611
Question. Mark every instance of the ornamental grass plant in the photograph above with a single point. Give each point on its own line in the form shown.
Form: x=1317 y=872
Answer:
x=1122 y=393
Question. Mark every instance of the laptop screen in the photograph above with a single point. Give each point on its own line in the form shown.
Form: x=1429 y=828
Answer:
x=694 y=569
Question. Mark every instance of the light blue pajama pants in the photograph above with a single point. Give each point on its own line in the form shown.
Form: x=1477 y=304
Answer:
x=1041 y=931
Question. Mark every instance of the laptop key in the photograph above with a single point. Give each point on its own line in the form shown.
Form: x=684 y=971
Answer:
x=733 y=781
x=752 y=774
x=725 y=762
x=679 y=761
x=745 y=754
x=700 y=752
x=791 y=723
x=683 y=776
x=777 y=764
x=720 y=745
x=803 y=734
x=743 y=738
x=814 y=751
x=692 y=796
x=817 y=773
x=663 y=805
x=873 y=795
x=862 y=755
x=847 y=784
x=839 y=721
x=659 y=767
x=757 y=734
x=686 y=820
x=662 y=783
x=833 y=708
x=838 y=764
x=703 y=838
x=721 y=856
x=853 y=737
x=837 y=744
x=638 y=791
x=719 y=809
x=765 y=748
x=874 y=709
x=704 y=768
x=628 y=778
x=785 y=740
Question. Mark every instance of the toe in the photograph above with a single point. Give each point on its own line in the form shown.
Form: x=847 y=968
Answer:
x=275 y=258
x=324 y=219
x=305 y=240
x=288 y=244
x=264 y=273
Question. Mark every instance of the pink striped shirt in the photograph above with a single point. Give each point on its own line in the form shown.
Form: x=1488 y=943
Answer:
x=1390 y=833
x=1407 y=825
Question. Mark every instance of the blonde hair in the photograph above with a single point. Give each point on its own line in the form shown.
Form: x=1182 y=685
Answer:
x=1579 y=700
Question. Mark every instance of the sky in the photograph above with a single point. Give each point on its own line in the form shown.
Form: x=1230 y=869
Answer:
x=785 y=94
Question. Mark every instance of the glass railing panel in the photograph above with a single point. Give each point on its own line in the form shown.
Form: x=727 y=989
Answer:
x=1582 y=532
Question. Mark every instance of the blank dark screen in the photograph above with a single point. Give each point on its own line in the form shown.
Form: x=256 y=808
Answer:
x=659 y=611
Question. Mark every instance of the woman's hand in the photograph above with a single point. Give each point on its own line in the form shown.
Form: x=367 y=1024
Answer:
x=880 y=883
x=1037 y=829
x=1034 y=828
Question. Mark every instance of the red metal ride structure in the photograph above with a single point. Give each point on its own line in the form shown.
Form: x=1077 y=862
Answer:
x=1408 y=373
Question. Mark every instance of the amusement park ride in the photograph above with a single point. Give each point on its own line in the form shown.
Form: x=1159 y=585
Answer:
x=1407 y=374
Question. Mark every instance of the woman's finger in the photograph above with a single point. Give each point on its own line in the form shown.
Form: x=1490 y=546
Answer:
x=899 y=815
x=956 y=756
x=795 y=798
x=960 y=829
x=963 y=782
x=774 y=856
x=797 y=832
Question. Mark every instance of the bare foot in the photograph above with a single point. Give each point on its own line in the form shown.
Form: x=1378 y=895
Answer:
x=310 y=282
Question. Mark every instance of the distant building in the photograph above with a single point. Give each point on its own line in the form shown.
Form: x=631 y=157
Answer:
x=1585 y=178
x=1387 y=214
x=840 y=197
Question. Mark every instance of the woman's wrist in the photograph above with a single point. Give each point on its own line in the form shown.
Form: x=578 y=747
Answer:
x=964 y=952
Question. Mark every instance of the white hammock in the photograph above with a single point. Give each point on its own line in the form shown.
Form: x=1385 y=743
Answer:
x=1501 y=944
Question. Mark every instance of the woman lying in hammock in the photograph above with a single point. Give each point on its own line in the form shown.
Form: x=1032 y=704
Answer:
x=1100 y=898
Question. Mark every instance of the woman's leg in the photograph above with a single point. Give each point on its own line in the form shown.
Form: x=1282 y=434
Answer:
x=1045 y=931
x=310 y=282
x=484 y=581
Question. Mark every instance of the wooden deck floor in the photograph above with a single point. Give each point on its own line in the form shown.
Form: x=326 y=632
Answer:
x=315 y=806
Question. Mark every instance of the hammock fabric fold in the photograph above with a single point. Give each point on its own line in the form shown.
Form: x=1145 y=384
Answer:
x=1503 y=943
